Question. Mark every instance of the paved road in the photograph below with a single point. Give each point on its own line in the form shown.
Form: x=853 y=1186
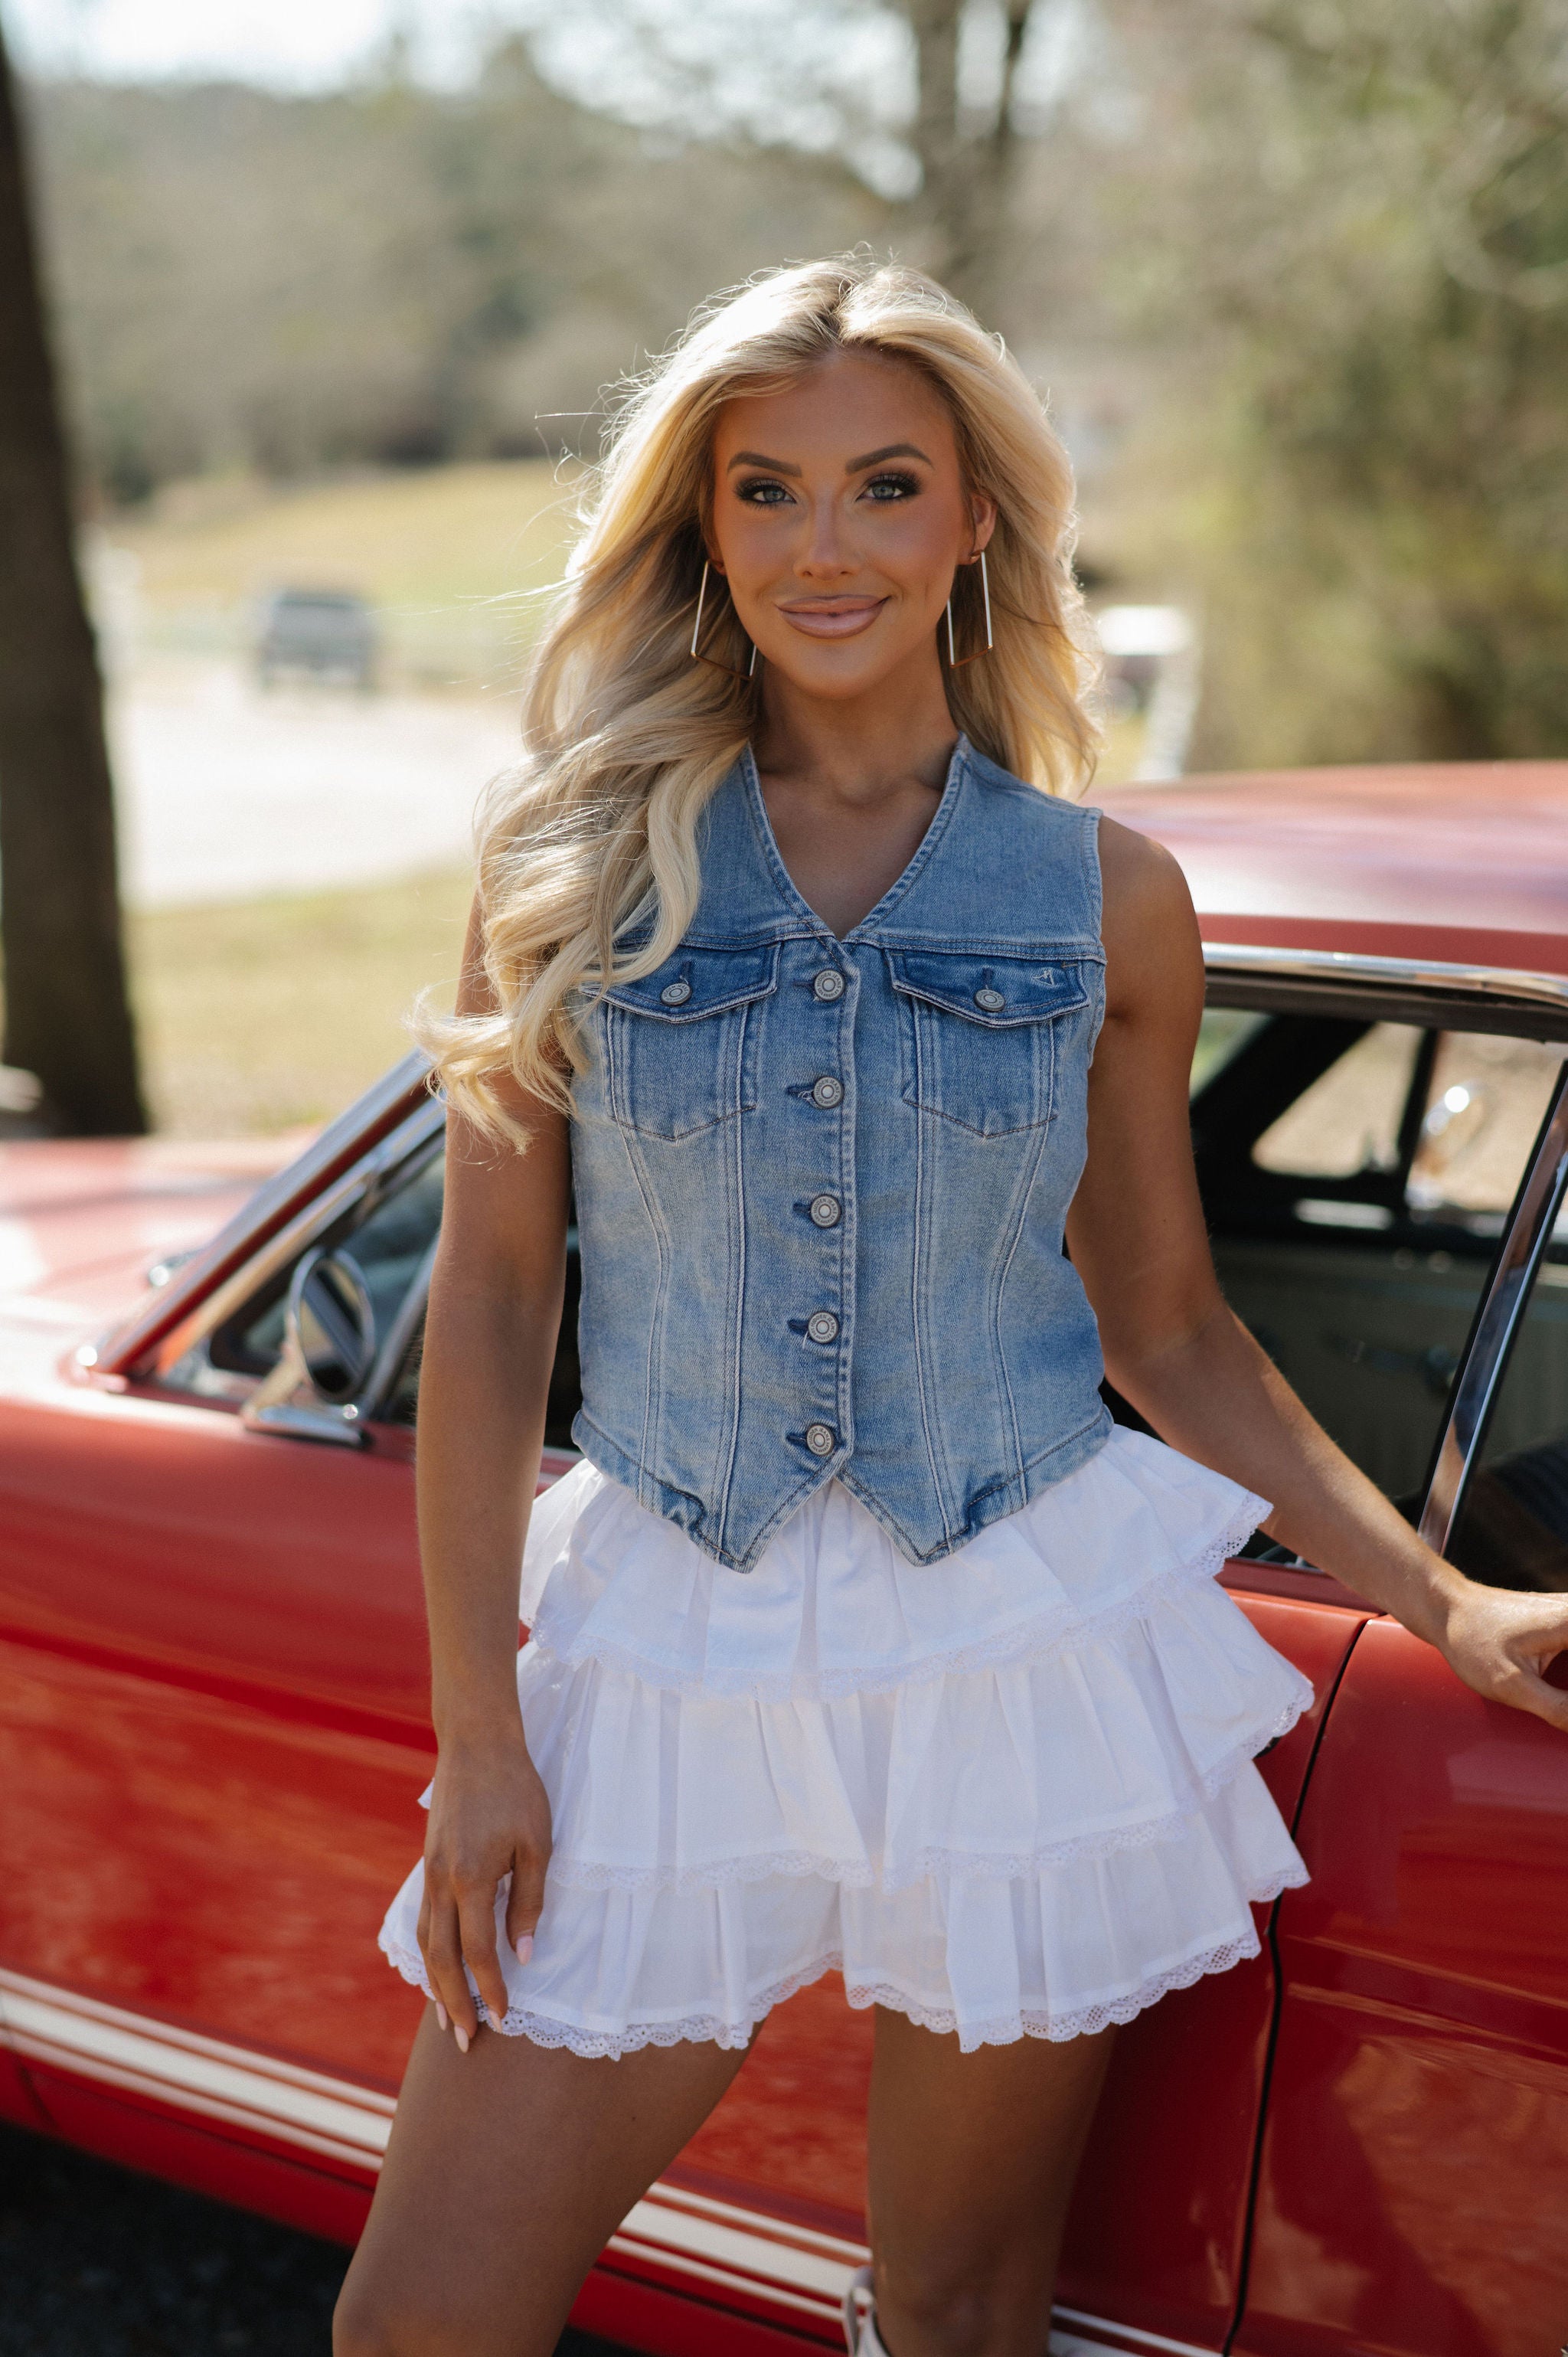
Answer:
x=97 y=2263
x=224 y=791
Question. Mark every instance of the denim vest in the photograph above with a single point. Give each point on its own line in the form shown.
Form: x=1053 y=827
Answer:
x=821 y=1184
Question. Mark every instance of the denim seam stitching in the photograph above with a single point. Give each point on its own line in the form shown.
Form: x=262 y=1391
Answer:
x=1025 y=1188
x=653 y=1384
x=736 y=1334
x=917 y=1255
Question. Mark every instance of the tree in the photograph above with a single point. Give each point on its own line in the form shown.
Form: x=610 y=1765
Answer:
x=68 y=1017
x=967 y=170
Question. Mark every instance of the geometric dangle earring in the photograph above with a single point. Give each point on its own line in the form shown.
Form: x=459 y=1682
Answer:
x=737 y=670
x=955 y=660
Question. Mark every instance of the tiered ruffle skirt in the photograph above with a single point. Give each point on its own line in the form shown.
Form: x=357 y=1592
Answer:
x=1010 y=1794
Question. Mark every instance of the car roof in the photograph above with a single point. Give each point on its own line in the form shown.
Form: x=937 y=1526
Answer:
x=1466 y=862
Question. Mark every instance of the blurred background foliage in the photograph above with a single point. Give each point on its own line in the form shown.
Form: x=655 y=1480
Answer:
x=1294 y=271
x=1294 y=275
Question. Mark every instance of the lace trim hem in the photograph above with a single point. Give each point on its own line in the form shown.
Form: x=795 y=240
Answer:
x=1033 y=1641
x=584 y=1874
x=1002 y=2030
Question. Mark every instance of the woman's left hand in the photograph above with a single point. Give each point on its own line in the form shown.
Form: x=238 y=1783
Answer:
x=1503 y=1644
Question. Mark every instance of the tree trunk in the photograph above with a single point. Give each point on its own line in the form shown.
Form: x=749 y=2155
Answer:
x=966 y=174
x=68 y=1017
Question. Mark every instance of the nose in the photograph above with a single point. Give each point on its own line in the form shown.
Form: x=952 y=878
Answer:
x=823 y=555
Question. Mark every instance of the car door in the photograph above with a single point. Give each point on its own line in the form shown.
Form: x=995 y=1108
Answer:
x=1357 y=1173
x=213 y=1724
x=1413 y=2195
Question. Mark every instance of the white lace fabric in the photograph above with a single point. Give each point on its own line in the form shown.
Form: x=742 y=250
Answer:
x=1011 y=1794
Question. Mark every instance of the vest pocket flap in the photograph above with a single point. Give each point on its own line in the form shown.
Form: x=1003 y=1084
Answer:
x=996 y=991
x=694 y=982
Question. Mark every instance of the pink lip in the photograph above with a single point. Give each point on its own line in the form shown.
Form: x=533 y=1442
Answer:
x=835 y=618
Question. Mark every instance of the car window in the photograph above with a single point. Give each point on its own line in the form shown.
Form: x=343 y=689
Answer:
x=390 y=1242
x=1512 y=1526
x=1348 y=1120
x=1356 y=1178
x=565 y=1376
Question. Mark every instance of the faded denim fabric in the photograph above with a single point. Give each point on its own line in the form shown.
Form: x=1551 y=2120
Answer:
x=821 y=1184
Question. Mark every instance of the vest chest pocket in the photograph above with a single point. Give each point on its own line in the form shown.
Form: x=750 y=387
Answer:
x=980 y=1035
x=680 y=1043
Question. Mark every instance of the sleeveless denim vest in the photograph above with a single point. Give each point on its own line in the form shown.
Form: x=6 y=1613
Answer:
x=821 y=1184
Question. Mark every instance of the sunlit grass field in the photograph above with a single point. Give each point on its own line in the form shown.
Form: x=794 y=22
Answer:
x=262 y=1015
x=452 y=558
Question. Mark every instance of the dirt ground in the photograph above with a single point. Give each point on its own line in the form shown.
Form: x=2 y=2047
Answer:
x=97 y=2263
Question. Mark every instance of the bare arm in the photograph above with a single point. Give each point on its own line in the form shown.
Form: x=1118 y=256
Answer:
x=491 y=1334
x=1185 y=1361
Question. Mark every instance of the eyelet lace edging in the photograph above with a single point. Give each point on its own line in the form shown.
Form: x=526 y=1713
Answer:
x=1001 y=2031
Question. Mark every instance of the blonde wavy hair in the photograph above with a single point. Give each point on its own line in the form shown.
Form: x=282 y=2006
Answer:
x=626 y=737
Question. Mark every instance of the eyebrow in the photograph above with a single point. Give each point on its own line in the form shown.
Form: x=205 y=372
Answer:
x=890 y=451
x=854 y=465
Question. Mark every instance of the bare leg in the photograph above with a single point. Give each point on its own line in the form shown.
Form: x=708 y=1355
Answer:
x=972 y=2160
x=509 y=2169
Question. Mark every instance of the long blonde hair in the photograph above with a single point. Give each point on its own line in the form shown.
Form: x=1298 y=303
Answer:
x=626 y=737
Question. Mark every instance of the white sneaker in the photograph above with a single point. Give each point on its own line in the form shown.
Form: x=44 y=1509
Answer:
x=859 y=2334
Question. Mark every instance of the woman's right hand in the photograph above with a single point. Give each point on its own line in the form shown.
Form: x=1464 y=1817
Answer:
x=490 y=1816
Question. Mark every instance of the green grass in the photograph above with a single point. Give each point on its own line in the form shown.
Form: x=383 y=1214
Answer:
x=262 y=1015
x=447 y=556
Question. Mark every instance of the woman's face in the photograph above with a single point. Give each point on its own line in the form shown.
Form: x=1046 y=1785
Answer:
x=840 y=516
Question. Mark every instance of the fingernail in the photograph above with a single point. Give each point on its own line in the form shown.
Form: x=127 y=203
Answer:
x=461 y=2035
x=442 y=2019
x=525 y=1948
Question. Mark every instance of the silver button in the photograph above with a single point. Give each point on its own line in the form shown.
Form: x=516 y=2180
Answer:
x=827 y=1091
x=820 y=1440
x=990 y=1000
x=829 y=983
x=675 y=994
x=823 y=1326
x=825 y=1210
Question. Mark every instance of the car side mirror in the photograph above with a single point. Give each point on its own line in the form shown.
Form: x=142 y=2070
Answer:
x=331 y=1324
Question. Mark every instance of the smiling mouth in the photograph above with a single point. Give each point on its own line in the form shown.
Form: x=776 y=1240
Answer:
x=834 y=617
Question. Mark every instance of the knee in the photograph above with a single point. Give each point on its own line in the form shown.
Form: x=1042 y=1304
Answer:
x=363 y=2327
x=398 y=2319
x=937 y=2306
x=365 y=2323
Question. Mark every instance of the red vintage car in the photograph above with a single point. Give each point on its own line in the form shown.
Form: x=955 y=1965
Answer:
x=213 y=1710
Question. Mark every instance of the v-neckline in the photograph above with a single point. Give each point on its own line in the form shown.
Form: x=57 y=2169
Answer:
x=791 y=891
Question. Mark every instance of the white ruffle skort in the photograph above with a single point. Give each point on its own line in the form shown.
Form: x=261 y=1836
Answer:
x=1010 y=1794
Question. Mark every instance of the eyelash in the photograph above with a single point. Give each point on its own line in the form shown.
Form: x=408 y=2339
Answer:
x=903 y=486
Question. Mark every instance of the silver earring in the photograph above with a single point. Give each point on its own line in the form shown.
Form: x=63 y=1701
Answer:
x=736 y=669
x=955 y=660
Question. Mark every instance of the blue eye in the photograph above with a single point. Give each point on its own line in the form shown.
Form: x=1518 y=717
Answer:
x=760 y=492
x=884 y=488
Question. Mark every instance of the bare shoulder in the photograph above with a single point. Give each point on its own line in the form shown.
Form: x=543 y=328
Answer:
x=1153 y=951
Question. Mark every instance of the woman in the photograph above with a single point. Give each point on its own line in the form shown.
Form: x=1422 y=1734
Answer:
x=861 y=1637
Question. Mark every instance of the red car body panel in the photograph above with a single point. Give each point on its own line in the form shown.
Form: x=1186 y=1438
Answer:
x=1462 y=864
x=213 y=1728
x=1423 y=2039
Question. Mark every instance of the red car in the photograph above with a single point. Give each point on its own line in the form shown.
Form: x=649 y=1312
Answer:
x=213 y=1710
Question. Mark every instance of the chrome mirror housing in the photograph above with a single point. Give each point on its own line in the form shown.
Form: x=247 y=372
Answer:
x=331 y=1324
x=330 y=1349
